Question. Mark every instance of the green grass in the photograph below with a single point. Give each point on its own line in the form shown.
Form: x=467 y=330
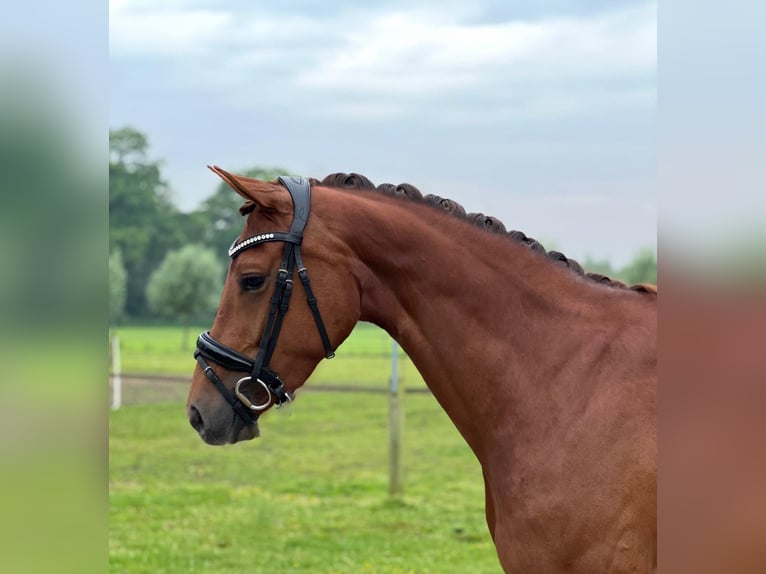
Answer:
x=364 y=358
x=310 y=496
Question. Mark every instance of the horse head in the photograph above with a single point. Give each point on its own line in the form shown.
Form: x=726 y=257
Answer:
x=267 y=336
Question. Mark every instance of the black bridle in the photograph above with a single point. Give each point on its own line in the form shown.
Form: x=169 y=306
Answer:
x=212 y=350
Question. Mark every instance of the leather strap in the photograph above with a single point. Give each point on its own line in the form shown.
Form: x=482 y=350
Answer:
x=242 y=411
x=208 y=347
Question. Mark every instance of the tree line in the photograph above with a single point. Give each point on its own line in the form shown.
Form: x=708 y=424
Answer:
x=167 y=263
x=164 y=262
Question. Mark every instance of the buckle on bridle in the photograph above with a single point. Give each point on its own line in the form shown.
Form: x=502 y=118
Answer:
x=247 y=402
x=280 y=394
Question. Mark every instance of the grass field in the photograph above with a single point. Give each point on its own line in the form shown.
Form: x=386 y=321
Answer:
x=310 y=496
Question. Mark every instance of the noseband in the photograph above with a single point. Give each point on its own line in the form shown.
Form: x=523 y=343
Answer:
x=208 y=349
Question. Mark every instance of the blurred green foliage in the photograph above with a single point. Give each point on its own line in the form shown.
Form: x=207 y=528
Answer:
x=143 y=222
x=187 y=282
x=117 y=286
x=49 y=206
x=641 y=269
x=53 y=310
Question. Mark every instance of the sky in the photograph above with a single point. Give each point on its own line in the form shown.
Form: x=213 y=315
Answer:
x=541 y=113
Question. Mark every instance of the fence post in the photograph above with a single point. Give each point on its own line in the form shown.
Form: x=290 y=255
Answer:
x=116 y=374
x=395 y=427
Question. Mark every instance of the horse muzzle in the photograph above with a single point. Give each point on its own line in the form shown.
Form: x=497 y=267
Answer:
x=221 y=427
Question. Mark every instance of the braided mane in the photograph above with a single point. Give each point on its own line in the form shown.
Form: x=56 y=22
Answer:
x=487 y=222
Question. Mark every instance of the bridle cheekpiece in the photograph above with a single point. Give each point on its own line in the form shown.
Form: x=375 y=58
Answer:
x=208 y=349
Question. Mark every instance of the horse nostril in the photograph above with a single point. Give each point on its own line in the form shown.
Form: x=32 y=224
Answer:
x=196 y=419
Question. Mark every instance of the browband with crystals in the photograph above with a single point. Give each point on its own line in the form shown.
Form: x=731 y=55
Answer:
x=236 y=248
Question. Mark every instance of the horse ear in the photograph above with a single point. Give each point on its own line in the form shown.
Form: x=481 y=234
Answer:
x=264 y=194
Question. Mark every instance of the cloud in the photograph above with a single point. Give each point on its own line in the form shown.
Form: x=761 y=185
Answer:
x=143 y=30
x=376 y=64
x=541 y=113
x=555 y=67
x=409 y=52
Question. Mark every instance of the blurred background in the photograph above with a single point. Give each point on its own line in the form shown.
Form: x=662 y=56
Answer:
x=541 y=114
x=53 y=287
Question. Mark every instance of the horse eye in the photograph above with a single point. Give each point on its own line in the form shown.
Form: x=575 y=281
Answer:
x=252 y=282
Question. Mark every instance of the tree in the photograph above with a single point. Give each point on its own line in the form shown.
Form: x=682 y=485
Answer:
x=186 y=284
x=117 y=285
x=219 y=214
x=602 y=266
x=143 y=222
x=643 y=268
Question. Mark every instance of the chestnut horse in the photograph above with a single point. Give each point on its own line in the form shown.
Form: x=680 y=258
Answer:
x=549 y=376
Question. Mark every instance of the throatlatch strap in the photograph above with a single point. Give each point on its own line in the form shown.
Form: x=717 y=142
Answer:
x=303 y=274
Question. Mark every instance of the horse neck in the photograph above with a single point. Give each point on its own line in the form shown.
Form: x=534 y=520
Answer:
x=479 y=315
